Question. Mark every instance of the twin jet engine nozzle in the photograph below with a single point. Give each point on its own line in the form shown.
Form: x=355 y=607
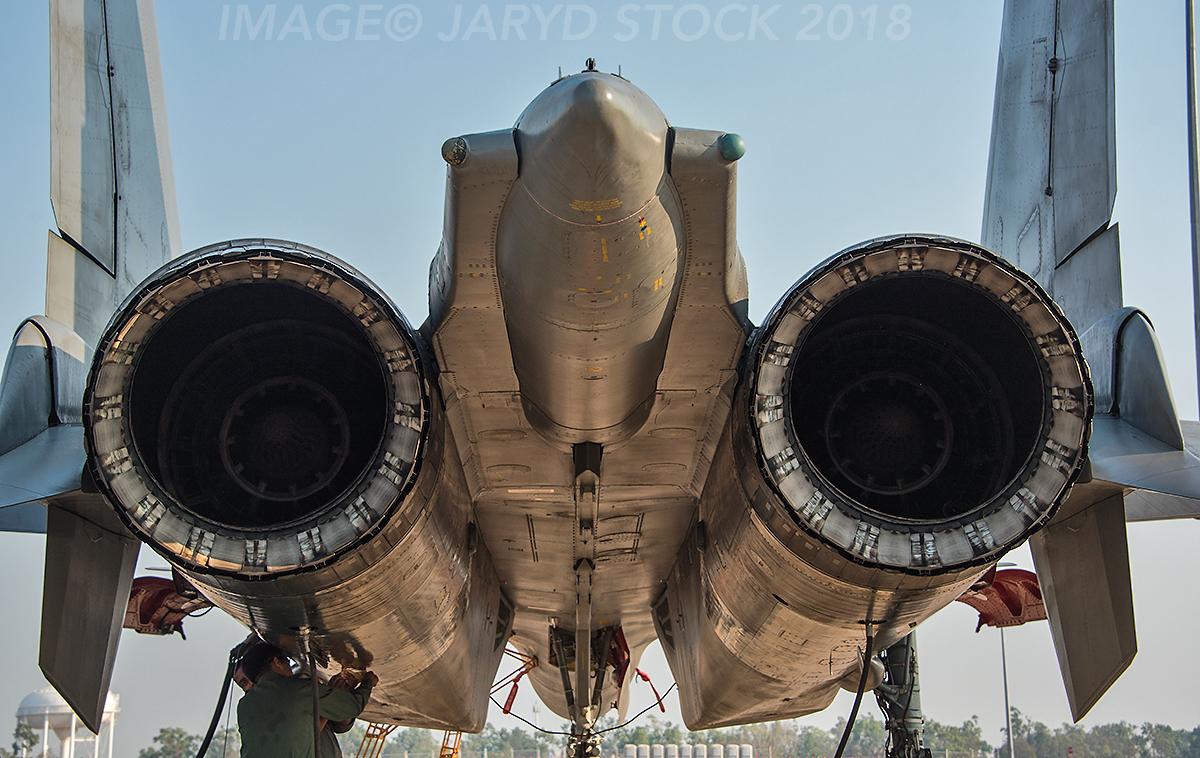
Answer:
x=914 y=408
x=909 y=412
x=918 y=403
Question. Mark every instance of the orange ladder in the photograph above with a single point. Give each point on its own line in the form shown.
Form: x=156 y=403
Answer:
x=451 y=740
x=373 y=740
x=377 y=734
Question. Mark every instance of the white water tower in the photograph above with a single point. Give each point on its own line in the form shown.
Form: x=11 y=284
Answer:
x=46 y=711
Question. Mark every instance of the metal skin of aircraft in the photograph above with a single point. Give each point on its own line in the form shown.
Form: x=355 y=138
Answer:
x=587 y=445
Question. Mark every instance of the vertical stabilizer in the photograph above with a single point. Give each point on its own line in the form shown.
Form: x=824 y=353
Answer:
x=113 y=192
x=1050 y=191
x=1052 y=170
x=112 y=185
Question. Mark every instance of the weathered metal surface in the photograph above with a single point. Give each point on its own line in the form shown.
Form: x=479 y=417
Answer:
x=1052 y=167
x=1082 y=562
x=384 y=572
x=765 y=610
x=112 y=182
x=519 y=468
x=90 y=559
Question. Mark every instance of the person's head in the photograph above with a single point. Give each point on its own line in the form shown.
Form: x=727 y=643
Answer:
x=258 y=660
x=241 y=680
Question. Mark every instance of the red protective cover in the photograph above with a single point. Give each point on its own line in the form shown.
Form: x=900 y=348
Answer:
x=1011 y=598
x=156 y=606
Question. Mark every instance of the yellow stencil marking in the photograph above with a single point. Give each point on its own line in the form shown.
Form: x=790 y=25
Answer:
x=595 y=206
x=603 y=245
x=658 y=283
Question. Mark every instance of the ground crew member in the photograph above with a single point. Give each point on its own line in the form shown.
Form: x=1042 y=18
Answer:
x=275 y=715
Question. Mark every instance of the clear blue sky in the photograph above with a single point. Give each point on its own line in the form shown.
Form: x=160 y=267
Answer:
x=851 y=135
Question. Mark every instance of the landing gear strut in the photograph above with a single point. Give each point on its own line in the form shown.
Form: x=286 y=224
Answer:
x=900 y=699
x=592 y=648
x=583 y=743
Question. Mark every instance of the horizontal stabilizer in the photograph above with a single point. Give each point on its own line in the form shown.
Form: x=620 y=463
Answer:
x=49 y=464
x=1179 y=500
x=1137 y=439
x=41 y=432
x=90 y=559
x=23 y=517
x=1142 y=505
x=1082 y=561
x=1123 y=455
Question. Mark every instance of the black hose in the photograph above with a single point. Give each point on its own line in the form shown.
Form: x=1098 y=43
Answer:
x=862 y=685
x=234 y=656
x=598 y=731
x=316 y=693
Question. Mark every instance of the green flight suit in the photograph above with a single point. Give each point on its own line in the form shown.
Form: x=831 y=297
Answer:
x=330 y=747
x=275 y=716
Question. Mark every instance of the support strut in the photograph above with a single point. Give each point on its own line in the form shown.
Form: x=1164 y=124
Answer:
x=900 y=699
x=587 y=457
x=560 y=656
x=584 y=742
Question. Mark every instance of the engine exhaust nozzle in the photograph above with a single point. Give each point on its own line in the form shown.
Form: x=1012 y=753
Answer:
x=919 y=403
x=255 y=408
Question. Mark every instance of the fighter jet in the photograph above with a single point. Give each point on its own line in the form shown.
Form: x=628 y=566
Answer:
x=587 y=445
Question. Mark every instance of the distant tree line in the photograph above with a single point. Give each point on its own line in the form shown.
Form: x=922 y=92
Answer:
x=1035 y=740
x=25 y=739
x=173 y=742
x=780 y=739
x=868 y=739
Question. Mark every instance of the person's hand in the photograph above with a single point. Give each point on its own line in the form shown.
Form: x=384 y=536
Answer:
x=342 y=682
x=370 y=677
